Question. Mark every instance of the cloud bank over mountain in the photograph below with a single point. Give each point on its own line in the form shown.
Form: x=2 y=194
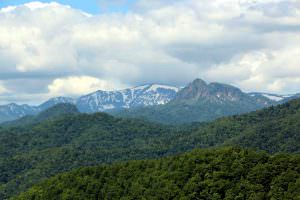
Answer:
x=50 y=49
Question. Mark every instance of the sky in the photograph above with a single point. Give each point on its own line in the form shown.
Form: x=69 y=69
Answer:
x=89 y=6
x=72 y=48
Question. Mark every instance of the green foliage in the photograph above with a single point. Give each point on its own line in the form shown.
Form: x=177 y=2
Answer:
x=29 y=154
x=213 y=174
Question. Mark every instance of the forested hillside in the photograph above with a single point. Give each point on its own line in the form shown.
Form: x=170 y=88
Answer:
x=29 y=154
x=213 y=174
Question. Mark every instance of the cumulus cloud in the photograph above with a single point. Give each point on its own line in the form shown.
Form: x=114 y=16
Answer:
x=75 y=86
x=269 y=71
x=2 y=89
x=251 y=44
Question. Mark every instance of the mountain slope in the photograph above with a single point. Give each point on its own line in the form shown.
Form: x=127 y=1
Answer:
x=13 y=111
x=274 y=129
x=30 y=154
x=199 y=102
x=146 y=95
x=54 y=101
x=228 y=173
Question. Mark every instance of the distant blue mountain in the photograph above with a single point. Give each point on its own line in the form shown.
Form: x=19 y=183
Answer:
x=145 y=95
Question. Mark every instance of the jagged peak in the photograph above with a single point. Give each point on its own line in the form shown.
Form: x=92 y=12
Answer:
x=198 y=82
x=199 y=89
x=194 y=90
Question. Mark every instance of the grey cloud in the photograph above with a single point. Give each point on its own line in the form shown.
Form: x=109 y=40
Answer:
x=206 y=55
x=29 y=86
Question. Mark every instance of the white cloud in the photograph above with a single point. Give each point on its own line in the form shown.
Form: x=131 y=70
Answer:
x=269 y=71
x=38 y=5
x=252 y=44
x=2 y=89
x=75 y=86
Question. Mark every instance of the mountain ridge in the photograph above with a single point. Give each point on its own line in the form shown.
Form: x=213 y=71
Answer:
x=200 y=102
x=144 y=95
x=152 y=95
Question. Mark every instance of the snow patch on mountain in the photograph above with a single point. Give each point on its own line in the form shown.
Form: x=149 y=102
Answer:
x=155 y=87
x=144 y=95
x=272 y=97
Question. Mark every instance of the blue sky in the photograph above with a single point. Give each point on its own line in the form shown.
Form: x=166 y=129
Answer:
x=89 y=6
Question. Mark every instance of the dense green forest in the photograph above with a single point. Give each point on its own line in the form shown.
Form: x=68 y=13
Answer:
x=212 y=174
x=31 y=153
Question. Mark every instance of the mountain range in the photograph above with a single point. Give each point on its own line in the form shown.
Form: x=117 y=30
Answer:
x=200 y=102
x=160 y=103
x=145 y=95
x=64 y=139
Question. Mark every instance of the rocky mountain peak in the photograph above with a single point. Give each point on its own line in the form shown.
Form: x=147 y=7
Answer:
x=194 y=90
x=199 y=89
x=198 y=83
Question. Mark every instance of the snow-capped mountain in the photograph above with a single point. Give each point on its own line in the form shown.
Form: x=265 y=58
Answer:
x=145 y=95
x=149 y=95
x=13 y=111
x=273 y=97
x=200 y=101
x=54 y=101
x=221 y=93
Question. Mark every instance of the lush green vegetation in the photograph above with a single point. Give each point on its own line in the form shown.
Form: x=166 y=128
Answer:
x=227 y=173
x=275 y=129
x=31 y=153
